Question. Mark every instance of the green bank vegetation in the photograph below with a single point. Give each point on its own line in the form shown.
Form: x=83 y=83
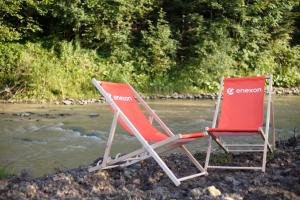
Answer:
x=50 y=49
x=4 y=174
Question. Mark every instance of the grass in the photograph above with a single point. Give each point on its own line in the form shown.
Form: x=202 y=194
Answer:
x=4 y=174
x=222 y=158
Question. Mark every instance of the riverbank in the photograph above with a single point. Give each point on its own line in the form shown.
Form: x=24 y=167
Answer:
x=145 y=180
x=295 y=91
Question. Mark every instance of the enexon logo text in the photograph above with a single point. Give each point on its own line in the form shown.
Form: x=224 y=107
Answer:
x=232 y=91
x=121 y=98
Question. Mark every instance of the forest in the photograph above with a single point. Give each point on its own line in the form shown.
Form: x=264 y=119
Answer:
x=50 y=49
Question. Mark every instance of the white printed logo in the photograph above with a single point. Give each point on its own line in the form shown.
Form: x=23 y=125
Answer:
x=121 y=98
x=230 y=91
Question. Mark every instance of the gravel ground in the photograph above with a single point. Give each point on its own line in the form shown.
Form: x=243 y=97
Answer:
x=145 y=180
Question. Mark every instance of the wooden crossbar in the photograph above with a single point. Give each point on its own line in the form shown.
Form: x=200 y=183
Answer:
x=233 y=167
x=244 y=145
x=245 y=150
x=192 y=176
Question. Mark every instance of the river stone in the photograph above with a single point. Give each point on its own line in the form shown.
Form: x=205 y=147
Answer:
x=163 y=191
x=136 y=181
x=92 y=115
x=25 y=114
x=3 y=184
x=99 y=188
x=197 y=96
x=102 y=174
x=196 y=192
x=233 y=196
x=232 y=180
x=189 y=96
x=63 y=177
x=67 y=102
x=175 y=95
x=213 y=191
x=82 y=102
x=128 y=174
x=155 y=177
x=110 y=184
x=31 y=190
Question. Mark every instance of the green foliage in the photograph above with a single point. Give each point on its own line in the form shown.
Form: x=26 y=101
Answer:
x=17 y=19
x=3 y=173
x=281 y=60
x=63 y=71
x=11 y=72
x=221 y=158
x=158 y=52
x=51 y=49
x=272 y=156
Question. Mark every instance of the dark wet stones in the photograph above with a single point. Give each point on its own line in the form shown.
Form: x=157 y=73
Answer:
x=196 y=193
x=145 y=180
x=69 y=101
x=80 y=102
x=233 y=182
x=30 y=115
x=23 y=114
x=54 y=116
x=287 y=91
x=93 y=115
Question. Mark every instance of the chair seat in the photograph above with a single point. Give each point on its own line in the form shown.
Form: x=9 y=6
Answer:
x=229 y=132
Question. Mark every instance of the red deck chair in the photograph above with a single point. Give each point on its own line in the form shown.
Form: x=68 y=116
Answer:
x=242 y=114
x=123 y=100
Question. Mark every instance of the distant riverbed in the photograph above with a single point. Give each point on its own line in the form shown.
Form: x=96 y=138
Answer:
x=42 y=137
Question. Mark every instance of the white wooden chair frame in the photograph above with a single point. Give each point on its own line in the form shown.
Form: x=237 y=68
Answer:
x=148 y=150
x=251 y=147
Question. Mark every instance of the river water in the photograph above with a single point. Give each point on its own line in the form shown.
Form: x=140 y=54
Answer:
x=42 y=137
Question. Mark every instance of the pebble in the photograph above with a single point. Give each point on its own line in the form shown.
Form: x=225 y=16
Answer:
x=213 y=191
x=31 y=190
x=232 y=181
x=196 y=192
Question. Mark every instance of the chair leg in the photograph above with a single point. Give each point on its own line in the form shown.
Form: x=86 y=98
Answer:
x=110 y=139
x=265 y=154
x=273 y=127
x=208 y=153
x=263 y=135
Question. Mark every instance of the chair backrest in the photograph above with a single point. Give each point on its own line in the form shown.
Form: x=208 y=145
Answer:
x=123 y=97
x=243 y=103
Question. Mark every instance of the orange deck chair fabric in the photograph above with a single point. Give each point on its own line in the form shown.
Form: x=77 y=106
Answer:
x=122 y=95
x=242 y=108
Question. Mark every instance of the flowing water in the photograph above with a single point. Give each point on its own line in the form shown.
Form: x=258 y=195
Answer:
x=42 y=137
